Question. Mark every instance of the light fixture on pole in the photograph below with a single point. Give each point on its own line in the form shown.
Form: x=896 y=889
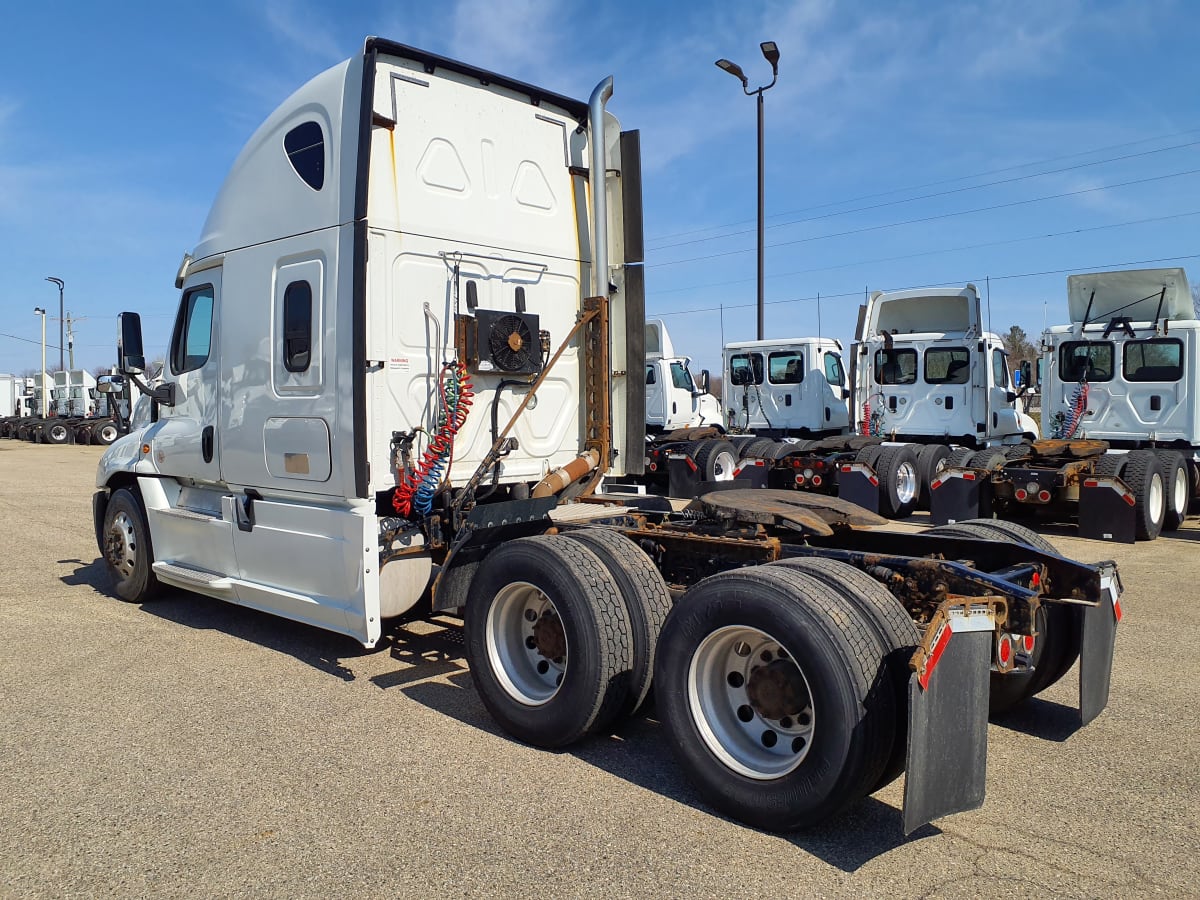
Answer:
x=61 y=320
x=38 y=311
x=770 y=52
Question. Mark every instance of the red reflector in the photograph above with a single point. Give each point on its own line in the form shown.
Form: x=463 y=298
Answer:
x=936 y=483
x=691 y=463
x=1022 y=493
x=820 y=464
x=1004 y=651
x=874 y=481
x=1129 y=499
x=968 y=476
x=1091 y=482
x=1028 y=640
x=653 y=467
x=817 y=480
x=799 y=479
x=846 y=468
x=1036 y=579
x=1044 y=496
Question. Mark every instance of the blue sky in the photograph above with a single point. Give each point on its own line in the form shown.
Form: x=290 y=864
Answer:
x=908 y=143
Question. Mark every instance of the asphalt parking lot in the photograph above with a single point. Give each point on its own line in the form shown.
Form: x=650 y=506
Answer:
x=194 y=748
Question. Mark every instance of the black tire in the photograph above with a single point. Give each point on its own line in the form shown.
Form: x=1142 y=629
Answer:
x=897 y=633
x=716 y=460
x=987 y=459
x=1144 y=475
x=759 y=449
x=1056 y=646
x=57 y=433
x=548 y=701
x=899 y=481
x=1018 y=451
x=647 y=600
x=930 y=460
x=1112 y=464
x=791 y=448
x=1177 y=487
x=105 y=432
x=128 y=550
x=844 y=701
x=959 y=458
x=869 y=455
x=741 y=441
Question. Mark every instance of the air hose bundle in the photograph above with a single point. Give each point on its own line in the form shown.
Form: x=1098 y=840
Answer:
x=420 y=484
x=1070 y=423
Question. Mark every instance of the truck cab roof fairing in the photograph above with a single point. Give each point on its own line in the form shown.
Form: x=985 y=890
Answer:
x=241 y=217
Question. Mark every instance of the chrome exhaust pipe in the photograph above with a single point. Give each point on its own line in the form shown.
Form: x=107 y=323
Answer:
x=597 y=178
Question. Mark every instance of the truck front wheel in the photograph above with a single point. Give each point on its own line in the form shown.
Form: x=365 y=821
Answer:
x=127 y=549
x=774 y=697
x=548 y=640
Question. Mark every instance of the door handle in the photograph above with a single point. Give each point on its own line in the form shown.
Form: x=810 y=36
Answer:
x=207 y=437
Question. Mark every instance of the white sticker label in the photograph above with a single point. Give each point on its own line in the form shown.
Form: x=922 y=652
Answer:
x=399 y=362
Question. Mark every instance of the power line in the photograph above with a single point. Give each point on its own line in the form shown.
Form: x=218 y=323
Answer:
x=922 y=219
x=865 y=262
x=920 y=187
x=1012 y=276
x=29 y=341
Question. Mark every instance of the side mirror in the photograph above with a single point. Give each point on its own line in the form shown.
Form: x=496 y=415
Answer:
x=131 y=359
x=1026 y=371
x=705 y=381
x=1010 y=397
x=110 y=384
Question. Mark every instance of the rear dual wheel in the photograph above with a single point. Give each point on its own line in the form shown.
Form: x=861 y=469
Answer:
x=561 y=633
x=1178 y=486
x=775 y=699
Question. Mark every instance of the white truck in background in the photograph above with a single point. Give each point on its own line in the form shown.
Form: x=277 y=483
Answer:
x=926 y=373
x=1120 y=412
x=401 y=364
x=674 y=398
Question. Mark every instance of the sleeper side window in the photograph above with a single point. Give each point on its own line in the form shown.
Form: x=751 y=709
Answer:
x=305 y=148
x=746 y=368
x=1156 y=359
x=192 y=338
x=785 y=367
x=895 y=366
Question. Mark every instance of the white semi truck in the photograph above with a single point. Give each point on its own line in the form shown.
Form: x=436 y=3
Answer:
x=1120 y=413
x=401 y=363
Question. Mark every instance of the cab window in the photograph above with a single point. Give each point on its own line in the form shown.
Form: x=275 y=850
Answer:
x=192 y=338
x=947 y=365
x=785 y=367
x=1157 y=359
x=895 y=366
x=1000 y=368
x=834 y=373
x=650 y=376
x=681 y=378
x=1093 y=359
x=746 y=368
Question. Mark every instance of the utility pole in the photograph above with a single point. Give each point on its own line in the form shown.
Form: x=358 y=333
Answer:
x=71 y=338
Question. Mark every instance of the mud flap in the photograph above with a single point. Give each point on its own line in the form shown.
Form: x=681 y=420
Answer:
x=858 y=484
x=946 y=770
x=957 y=495
x=1106 y=510
x=1096 y=648
x=685 y=478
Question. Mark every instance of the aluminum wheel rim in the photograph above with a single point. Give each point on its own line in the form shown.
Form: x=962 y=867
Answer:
x=121 y=545
x=58 y=433
x=523 y=670
x=734 y=730
x=906 y=482
x=1179 y=491
x=108 y=433
x=723 y=465
x=1157 y=497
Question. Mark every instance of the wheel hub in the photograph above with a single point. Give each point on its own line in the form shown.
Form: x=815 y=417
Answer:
x=548 y=636
x=777 y=690
x=120 y=545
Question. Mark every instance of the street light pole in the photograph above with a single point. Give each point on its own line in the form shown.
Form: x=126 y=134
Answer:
x=770 y=52
x=38 y=311
x=61 y=344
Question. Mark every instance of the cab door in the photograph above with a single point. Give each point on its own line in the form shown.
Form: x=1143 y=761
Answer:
x=186 y=443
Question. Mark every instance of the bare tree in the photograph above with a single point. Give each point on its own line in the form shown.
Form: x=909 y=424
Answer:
x=1020 y=348
x=1196 y=299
